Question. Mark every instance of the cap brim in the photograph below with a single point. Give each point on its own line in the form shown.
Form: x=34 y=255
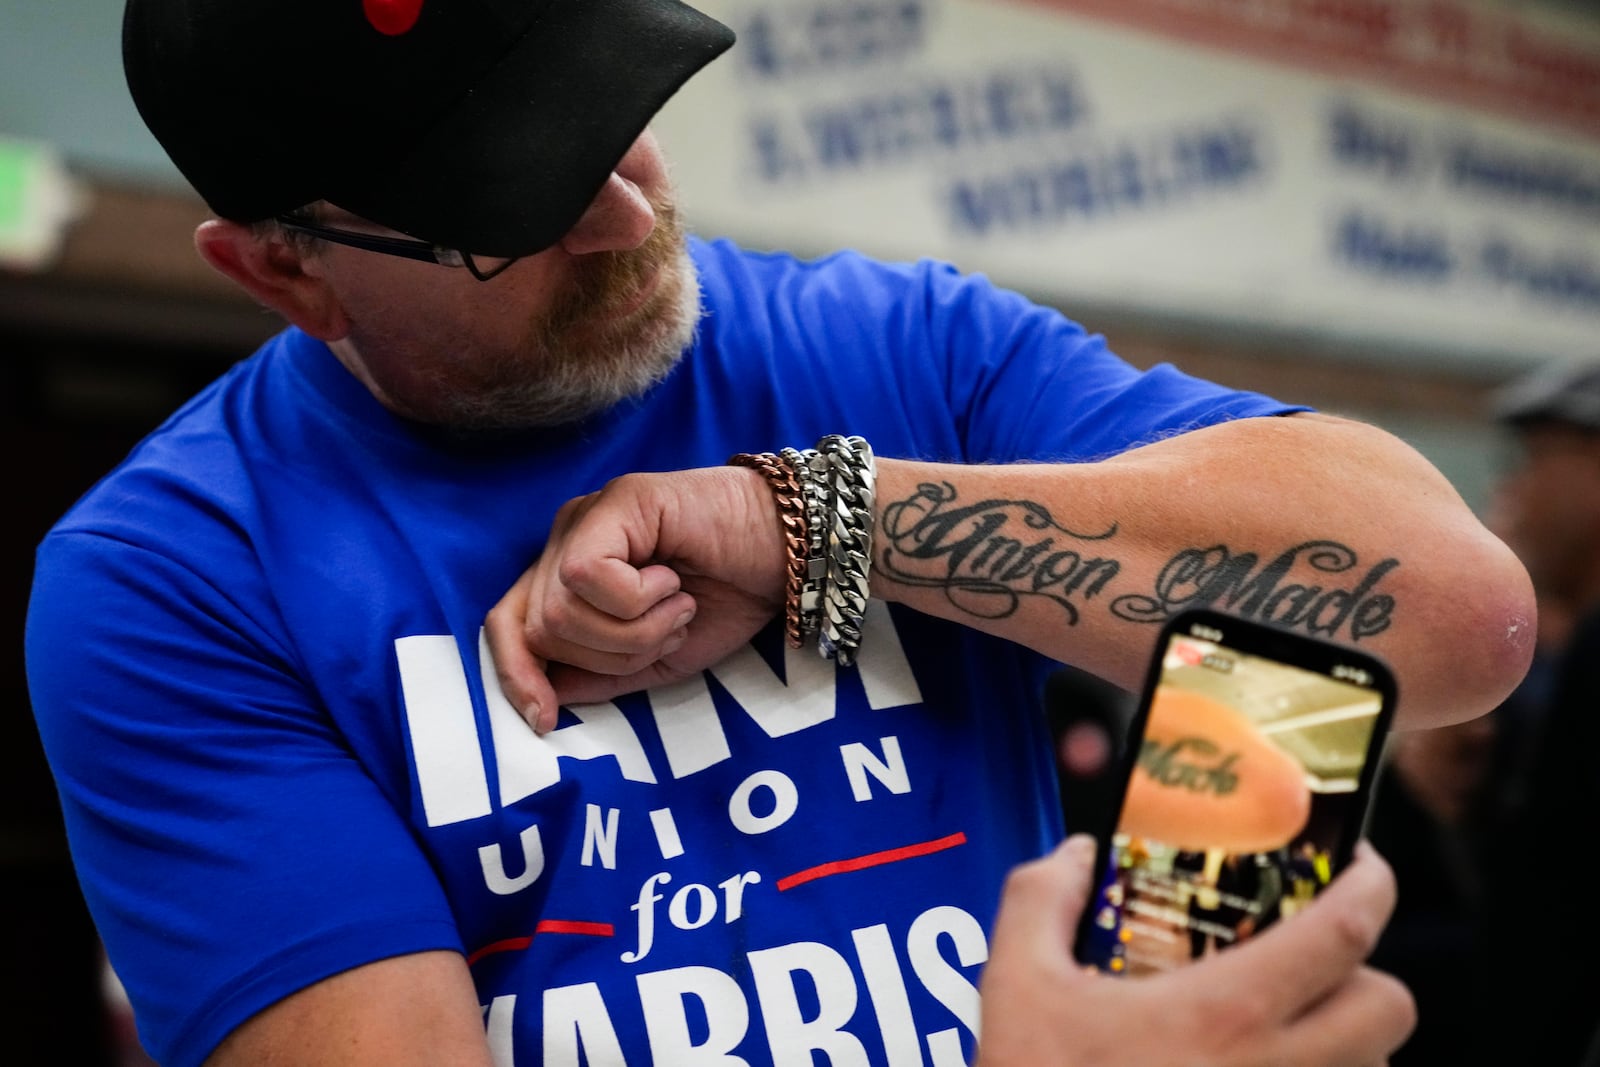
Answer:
x=514 y=165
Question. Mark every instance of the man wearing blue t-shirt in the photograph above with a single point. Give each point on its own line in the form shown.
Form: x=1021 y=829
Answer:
x=433 y=689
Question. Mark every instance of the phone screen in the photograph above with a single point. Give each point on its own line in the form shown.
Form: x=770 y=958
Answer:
x=1250 y=761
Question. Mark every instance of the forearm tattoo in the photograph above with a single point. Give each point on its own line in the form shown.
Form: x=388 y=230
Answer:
x=989 y=556
x=1198 y=577
x=1190 y=762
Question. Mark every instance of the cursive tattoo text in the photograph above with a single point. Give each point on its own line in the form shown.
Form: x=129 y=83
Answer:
x=1201 y=577
x=988 y=556
x=1206 y=770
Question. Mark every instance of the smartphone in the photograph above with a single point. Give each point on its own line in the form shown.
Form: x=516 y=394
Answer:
x=1244 y=785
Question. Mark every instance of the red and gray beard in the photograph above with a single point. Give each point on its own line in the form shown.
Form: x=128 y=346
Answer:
x=587 y=350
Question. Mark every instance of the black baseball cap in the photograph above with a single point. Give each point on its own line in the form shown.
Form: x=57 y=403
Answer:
x=1561 y=392
x=483 y=125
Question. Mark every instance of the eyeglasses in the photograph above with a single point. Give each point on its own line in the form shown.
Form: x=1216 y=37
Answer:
x=421 y=251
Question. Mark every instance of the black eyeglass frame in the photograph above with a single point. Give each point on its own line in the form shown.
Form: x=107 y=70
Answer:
x=405 y=248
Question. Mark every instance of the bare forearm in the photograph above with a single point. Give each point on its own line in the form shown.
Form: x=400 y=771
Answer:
x=417 y=1010
x=1326 y=526
x=1323 y=525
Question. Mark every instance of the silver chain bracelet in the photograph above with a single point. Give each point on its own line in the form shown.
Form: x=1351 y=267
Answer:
x=824 y=497
x=851 y=478
x=811 y=469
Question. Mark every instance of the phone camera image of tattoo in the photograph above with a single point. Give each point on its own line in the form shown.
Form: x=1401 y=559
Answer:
x=1245 y=796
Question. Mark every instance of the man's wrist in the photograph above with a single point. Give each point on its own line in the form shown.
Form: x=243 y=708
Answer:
x=825 y=504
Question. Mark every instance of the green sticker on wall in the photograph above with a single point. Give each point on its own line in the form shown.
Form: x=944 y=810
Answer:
x=38 y=197
x=15 y=163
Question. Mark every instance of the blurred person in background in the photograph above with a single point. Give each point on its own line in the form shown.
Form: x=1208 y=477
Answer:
x=1428 y=815
x=1490 y=823
x=1543 y=817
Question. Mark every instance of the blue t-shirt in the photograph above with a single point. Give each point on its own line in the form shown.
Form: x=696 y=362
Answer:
x=255 y=655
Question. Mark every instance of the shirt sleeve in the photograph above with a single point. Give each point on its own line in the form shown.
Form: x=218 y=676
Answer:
x=231 y=848
x=1030 y=383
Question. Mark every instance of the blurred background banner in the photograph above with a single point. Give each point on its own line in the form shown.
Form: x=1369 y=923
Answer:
x=1401 y=172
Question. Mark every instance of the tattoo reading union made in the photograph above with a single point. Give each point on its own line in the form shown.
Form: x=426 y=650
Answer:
x=1202 y=577
x=988 y=556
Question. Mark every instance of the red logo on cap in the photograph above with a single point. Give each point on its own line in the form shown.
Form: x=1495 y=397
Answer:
x=392 y=17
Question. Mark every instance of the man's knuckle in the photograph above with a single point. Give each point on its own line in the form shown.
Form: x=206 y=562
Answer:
x=1355 y=931
x=576 y=571
x=1400 y=1002
x=556 y=617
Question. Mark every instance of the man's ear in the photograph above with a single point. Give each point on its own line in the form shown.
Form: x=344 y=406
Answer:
x=273 y=272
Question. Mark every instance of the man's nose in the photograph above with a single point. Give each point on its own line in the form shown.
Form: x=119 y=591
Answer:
x=619 y=218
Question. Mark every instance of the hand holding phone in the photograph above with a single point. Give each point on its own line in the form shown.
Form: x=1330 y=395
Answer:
x=1299 y=996
x=1244 y=787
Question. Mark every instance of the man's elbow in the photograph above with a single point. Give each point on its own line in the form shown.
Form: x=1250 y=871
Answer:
x=1479 y=635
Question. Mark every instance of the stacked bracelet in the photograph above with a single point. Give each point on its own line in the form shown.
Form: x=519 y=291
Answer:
x=849 y=540
x=814 y=491
x=782 y=477
x=824 y=497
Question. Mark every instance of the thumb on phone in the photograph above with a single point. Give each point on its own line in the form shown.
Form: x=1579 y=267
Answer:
x=1041 y=904
x=1026 y=985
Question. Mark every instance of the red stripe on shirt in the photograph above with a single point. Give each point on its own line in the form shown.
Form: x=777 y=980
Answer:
x=546 y=926
x=871 y=859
